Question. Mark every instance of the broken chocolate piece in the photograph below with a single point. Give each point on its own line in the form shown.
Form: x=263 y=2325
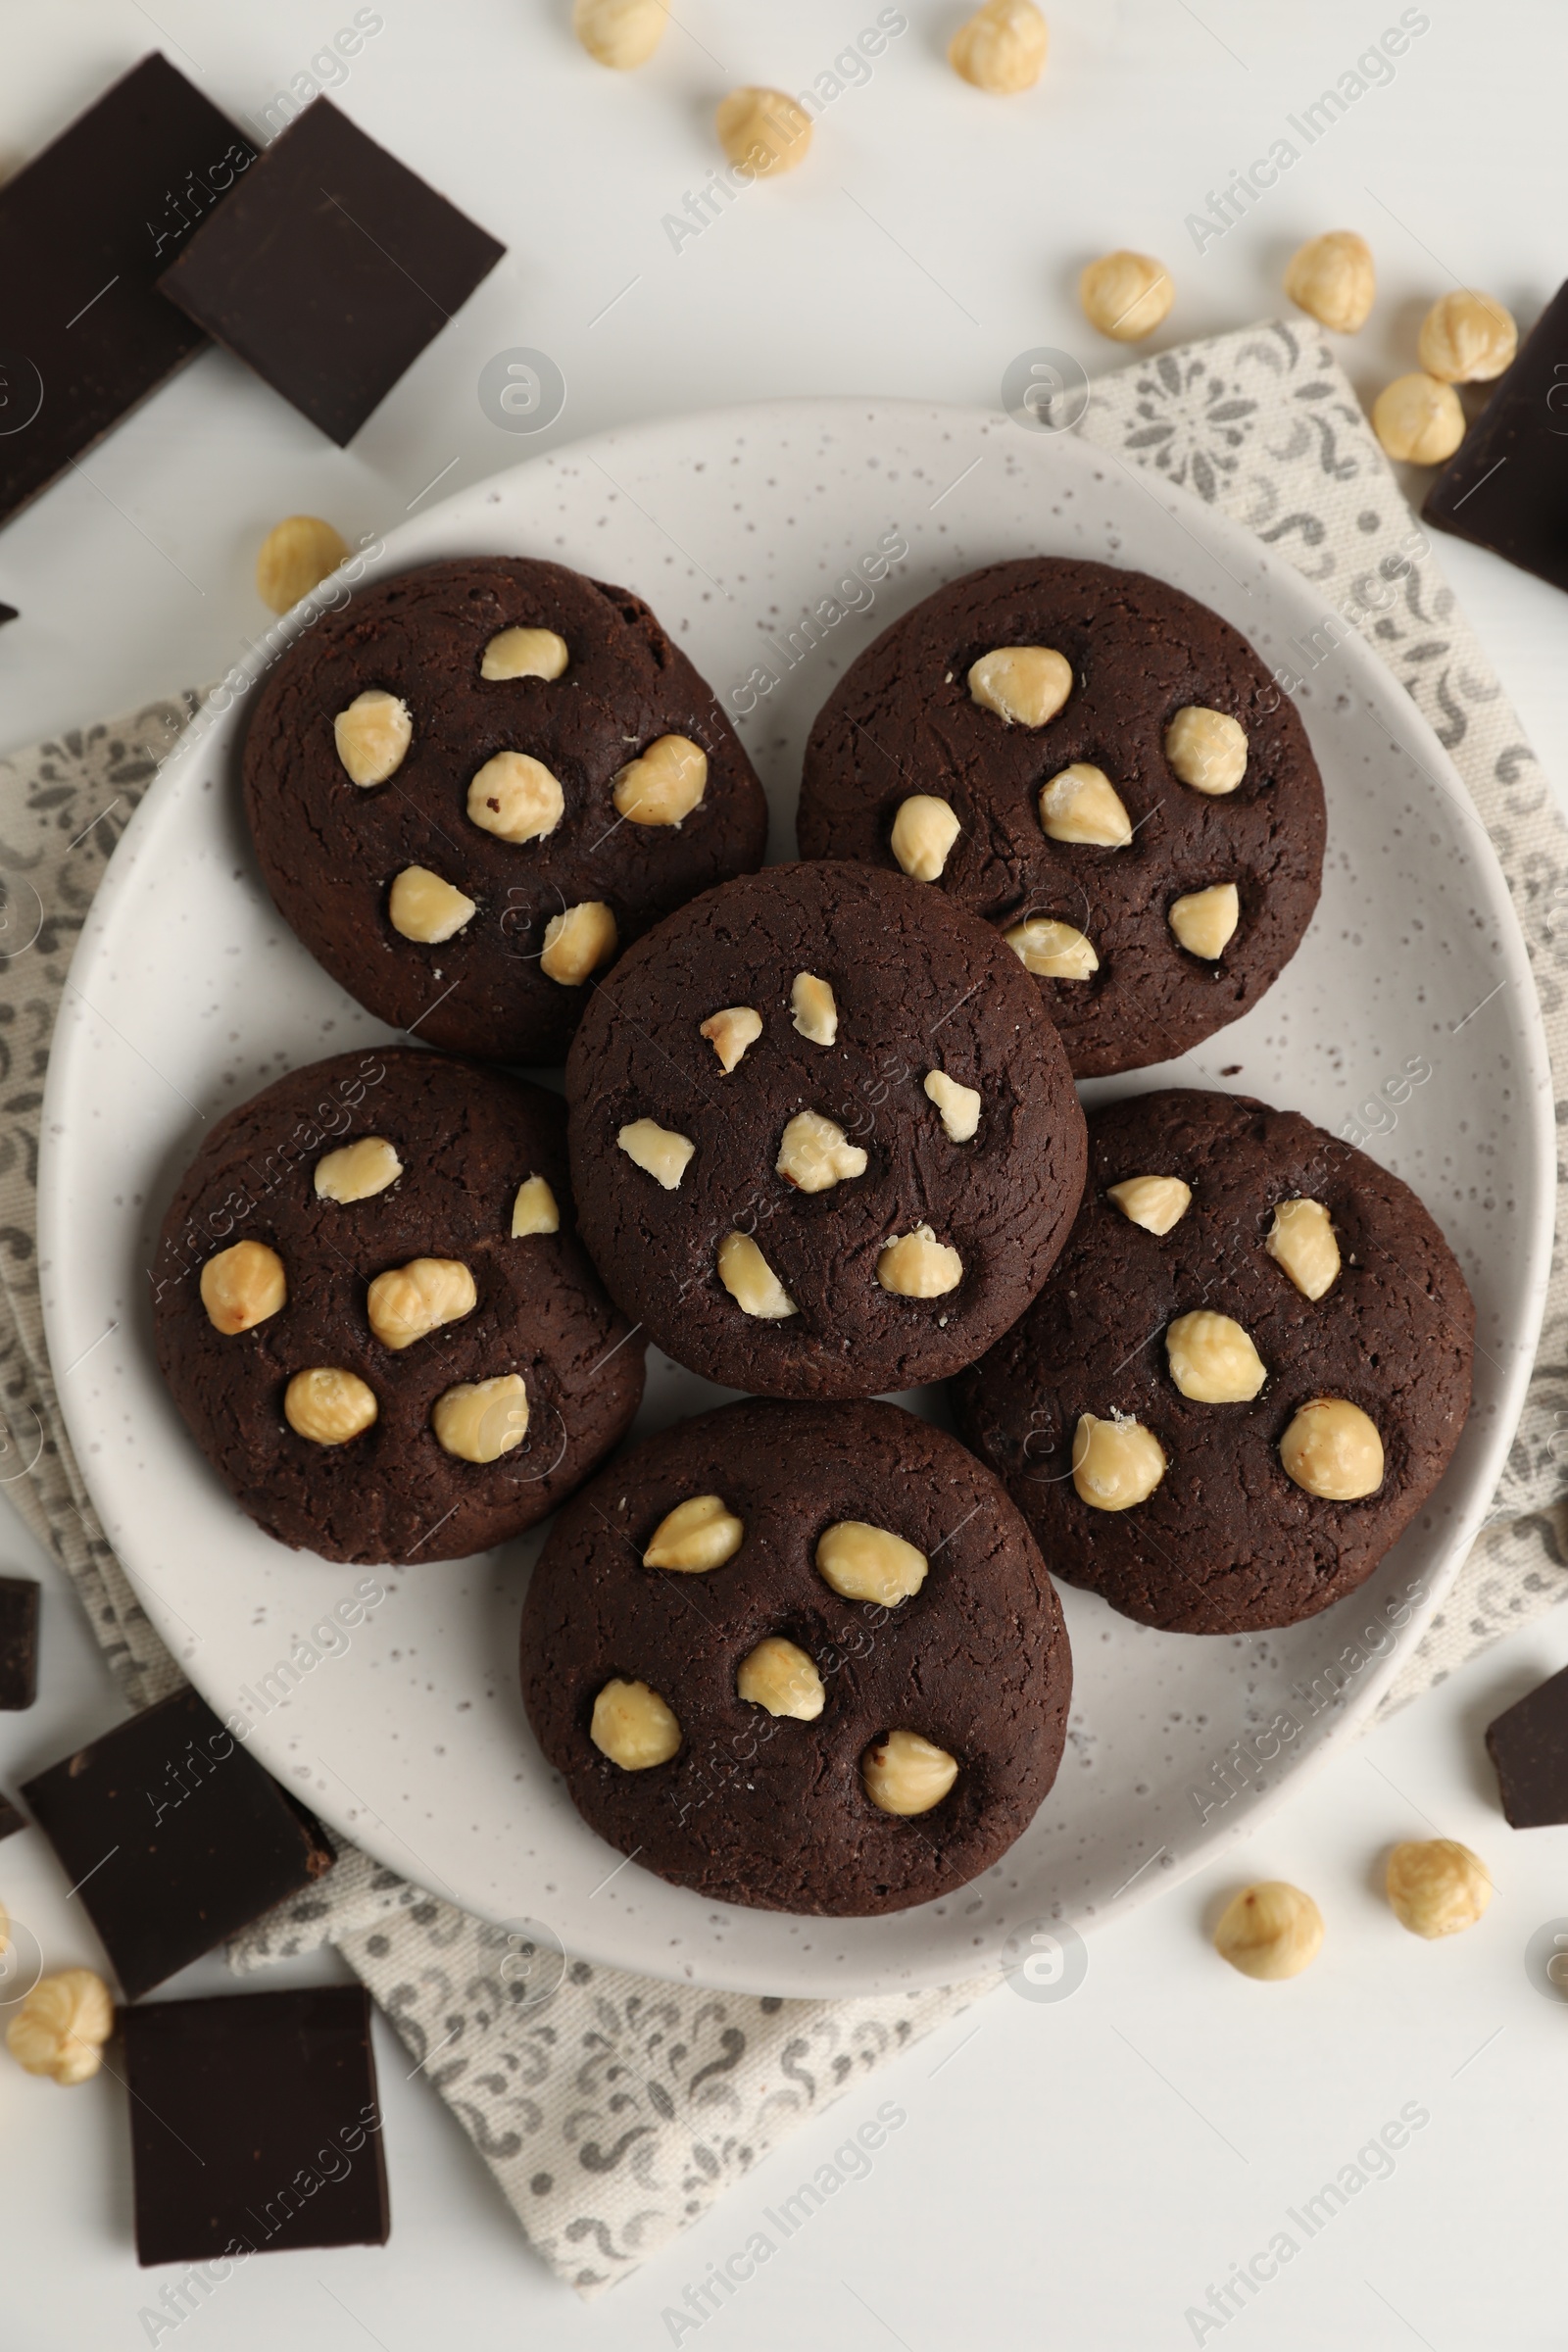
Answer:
x=8 y=612
x=255 y=2125
x=18 y=1641
x=9 y=1819
x=1507 y=487
x=330 y=270
x=175 y=1837
x=1529 y=1745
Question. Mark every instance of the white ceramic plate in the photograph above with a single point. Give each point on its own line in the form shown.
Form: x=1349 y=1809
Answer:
x=188 y=993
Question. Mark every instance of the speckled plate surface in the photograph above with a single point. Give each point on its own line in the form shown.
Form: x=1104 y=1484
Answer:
x=189 y=994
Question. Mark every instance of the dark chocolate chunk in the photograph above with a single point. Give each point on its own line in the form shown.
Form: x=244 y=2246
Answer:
x=8 y=612
x=255 y=2125
x=175 y=1837
x=1507 y=487
x=1529 y=1745
x=18 y=1641
x=9 y=1819
x=85 y=230
x=331 y=270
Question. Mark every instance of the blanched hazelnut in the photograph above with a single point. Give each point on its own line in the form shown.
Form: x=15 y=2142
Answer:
x=699 y=1533
x=62 y=2025
x=579 y=942
x=1418 y=421
x=660 y=1151
x=423 y=908
x=903 y=1773
x=1002 y=48
x=1126 y=295
x=862 y=1562
x=1333 y=279
x=763 y=132
x=1025 y=685
x=1437 y=1887
x=534 y=1211
x=372 y=736
x=814 y=1154
x=1204 y=921
x=357 y=1171
x=524 y=654
x=1115 y=1463
x=1051 y=950
x=816 y=1015
x=663 y=785
x=243 y=1286
x=957 y=1107
x=1302 y=1241
x=296 y=557
x=1213 y=1359
x=515 y=798
x=1270 y=1931
x=1333 y=1450
x=1082 y=806
x=779 y=1676
x=730 y=1032
x=633 y=1727
x=1467 y=338
x=917 y=1265
x=1155 y=1202
x=406 y=1301
x=1206 y=749
x=751 y=1281
x=622 y=33
x=328 y=1406
x=481 y=1420
x=924 y=831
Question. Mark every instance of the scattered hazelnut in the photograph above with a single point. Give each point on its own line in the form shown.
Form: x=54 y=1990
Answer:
x=242 y=1285
x=906 y=1773
x=1213 y=1359
x=763 y=132
x=356 y=1172
x=814 y=1154
x=699 y=1533
x=1002 y=48
x=619 y=32
x=406 y=1301
x=328 y=1406
x=816 y=1015
x=751 y=1281
x=1333 y=1450
x=1082 y=806
x=1333 y=279
x=579 y=942
x=1467 y=338
x=779 y=1676
x=481 y=1420
x=1418 y=420
x=1302 y=1241
x=524 y=654
x=1207 y=749
x=632 y=1726
x=924 y=831
x=1270 y=1931
x=957 y=1107
x=372 y=736
x=296 y=557
x=1155 y=1202
x=534 y=1209
x=917 y=1265
x=1051 y=950
x=1025 y=685
x=1437 y=1887
x=663 y=785
x=1115 y=1463
x=862 y=1562
x=1126 y=295
x=1204 y=921
x=730 y=1032
x=62 y=2025
x=660 y=1151
x=515 y=798
x=423 y=908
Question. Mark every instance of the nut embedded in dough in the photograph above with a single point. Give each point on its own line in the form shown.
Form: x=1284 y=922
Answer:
x=752 y=1282
x=699 y=1533
x=481 y=1420
x=905 y=1773
x=243 y=1286
x=862 y=1562
x=372 y=736
x=1025 y=685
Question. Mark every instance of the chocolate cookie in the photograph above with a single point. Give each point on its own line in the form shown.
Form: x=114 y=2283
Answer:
x=374 y=1314
x=1245 y=1377
x=473 y=784
x=1104 y=770
x=802 y=1657
x=824 y=1141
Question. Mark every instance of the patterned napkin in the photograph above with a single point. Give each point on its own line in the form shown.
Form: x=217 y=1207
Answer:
x=614 y=2113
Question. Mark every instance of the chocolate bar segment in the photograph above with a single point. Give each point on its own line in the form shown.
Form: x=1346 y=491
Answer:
x=11 y=1821
x=18 y=1641
x=1529 y=1745
x=1507 y=487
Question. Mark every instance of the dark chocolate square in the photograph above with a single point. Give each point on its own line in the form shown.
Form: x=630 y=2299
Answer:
x=175 y=1837
x=255 y=2125
x=9 y=1819
x=85 y=230
x=18 y=1641
x=1529 y=1745
x=1507 y=487
x=330 y=270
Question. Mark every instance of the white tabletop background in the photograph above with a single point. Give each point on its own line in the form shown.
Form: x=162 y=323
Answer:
x=1083 y=2171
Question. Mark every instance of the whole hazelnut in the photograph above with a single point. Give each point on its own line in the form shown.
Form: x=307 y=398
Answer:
x=1270 y=1931
x=1437 y=1887
x=1418 y=420
x=1333 y=279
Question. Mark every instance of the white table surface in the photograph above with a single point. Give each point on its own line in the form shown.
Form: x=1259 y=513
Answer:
x=1083 y=2171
